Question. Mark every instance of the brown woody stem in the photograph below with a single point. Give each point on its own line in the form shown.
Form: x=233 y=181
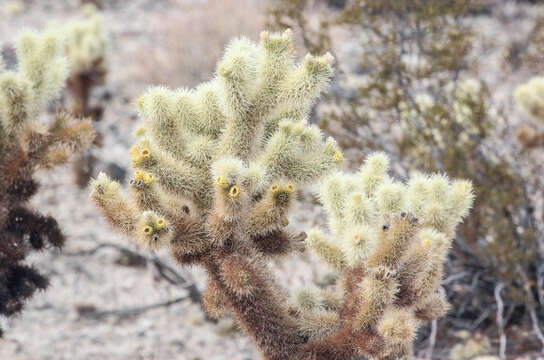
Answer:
x=260 y=314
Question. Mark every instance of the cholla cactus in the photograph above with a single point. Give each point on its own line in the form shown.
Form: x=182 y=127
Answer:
x=388 y=242
x=27 y=146
x=530 y=97
x=217 y=169
x=85 y=49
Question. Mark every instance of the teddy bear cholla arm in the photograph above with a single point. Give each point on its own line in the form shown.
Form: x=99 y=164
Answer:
x=388 y=242
x=216 y=172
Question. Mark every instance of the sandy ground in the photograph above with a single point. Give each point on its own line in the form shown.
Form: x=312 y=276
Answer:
x=56 y=324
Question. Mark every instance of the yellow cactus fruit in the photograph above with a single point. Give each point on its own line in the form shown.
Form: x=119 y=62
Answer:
x=275 y=188
x=148 y=178
x=160 y=224
x=145 y=153
x=234 y=191
x=139 y=175
x=289 y=188
x=222 y=182
x=338 y=157
x=147 y=230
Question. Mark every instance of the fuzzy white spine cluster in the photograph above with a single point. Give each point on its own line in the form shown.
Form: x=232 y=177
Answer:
x=399 y=235
x=41 y=74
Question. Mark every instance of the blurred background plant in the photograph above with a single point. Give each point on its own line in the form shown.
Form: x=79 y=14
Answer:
x=86 y=52
x=28 y=145
x=416 y=89
x=530 y=97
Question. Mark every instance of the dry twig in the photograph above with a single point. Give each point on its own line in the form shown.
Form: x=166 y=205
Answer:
x=500 y=320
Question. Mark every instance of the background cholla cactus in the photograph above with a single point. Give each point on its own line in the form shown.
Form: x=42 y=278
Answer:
x=217 y=169
x=27 y=145
x=530 y=97
x=85 y=50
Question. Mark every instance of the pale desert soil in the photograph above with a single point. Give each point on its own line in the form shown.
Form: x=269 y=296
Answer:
x=142 y=51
